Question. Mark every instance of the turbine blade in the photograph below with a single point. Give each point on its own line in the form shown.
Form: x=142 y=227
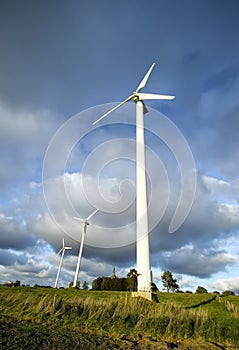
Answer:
x=144 y=80
x=79 y=219
x=68 y=247
x=113 y=109
x=145 y=96
x=63 y=242
x=59 y=252
x=92 y=214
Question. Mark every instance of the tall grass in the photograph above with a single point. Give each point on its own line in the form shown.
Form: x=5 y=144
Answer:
x=231 y=307
x=122 y=315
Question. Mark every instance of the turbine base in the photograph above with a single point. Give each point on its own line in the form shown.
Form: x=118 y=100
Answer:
x=146 y=295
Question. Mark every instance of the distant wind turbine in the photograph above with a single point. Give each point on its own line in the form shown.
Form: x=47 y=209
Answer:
x=85 y=223
x=62 y=250
x=143 y=256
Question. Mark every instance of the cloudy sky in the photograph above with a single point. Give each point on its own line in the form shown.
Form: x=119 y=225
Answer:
x=62 y=65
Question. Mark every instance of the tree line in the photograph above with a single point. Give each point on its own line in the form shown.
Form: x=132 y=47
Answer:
x=114 y=283
x=130 y=284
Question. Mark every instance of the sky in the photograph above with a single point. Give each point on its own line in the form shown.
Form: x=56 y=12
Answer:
x=65 y=63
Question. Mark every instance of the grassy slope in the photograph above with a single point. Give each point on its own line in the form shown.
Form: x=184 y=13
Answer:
x=101 y=318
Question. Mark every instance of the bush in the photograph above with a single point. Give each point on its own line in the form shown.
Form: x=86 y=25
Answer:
x=108 y=283
x=228 y=292
x=201 y=290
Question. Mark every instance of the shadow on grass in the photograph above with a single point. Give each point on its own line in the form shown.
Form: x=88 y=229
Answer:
x=201 y=303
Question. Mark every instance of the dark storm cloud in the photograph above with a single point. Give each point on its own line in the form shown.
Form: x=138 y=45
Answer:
x=60 y=54
x=14 y=234
x=24 y=135
x=197 y=262
x=54 y=53
x=38 y=53
x=8 y=258
x=122 y=256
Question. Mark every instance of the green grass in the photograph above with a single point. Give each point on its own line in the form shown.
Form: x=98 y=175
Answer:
x=206 y=317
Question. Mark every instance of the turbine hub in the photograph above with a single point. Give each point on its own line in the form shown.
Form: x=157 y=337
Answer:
x=136 y=97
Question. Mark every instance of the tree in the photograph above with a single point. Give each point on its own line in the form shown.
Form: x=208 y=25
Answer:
x=77 y=285
x=228 y=292
x=17 y=283
x=169 y=283
x=108 y=283
x=96 y=284
x=201 y=290
x=85 y=285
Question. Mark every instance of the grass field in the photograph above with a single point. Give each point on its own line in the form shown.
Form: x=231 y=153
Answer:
x=75 y=319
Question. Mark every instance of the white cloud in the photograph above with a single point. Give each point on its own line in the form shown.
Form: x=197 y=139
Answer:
x=221 y=190
x=197 y=262
x=186 y=283
x=206 y=226
x=172 y=251
x=227 y=284
x=214 y=184
x=45 y=273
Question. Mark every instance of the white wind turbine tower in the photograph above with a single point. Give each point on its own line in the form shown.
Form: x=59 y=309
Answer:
x=85 y=223
x=62 y=250
x=142 y=248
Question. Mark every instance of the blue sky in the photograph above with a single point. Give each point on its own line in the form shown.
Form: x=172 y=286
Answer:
x=61 y=58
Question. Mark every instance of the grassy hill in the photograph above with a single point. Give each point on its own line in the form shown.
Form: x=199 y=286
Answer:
x=46 y=318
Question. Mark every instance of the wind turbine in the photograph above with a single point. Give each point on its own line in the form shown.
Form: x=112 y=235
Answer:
x=142 y=235
x=62 y=250
x=85 y=223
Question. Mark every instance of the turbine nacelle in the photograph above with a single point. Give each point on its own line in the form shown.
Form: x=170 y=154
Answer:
x=63 y=248
x=86 y=221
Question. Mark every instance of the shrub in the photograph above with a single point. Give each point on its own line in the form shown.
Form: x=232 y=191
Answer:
x=108 y=283
x=201 y=290
x=228 y=292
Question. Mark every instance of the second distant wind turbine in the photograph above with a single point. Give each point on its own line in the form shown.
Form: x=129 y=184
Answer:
x=85 y=223
x=62 y=250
